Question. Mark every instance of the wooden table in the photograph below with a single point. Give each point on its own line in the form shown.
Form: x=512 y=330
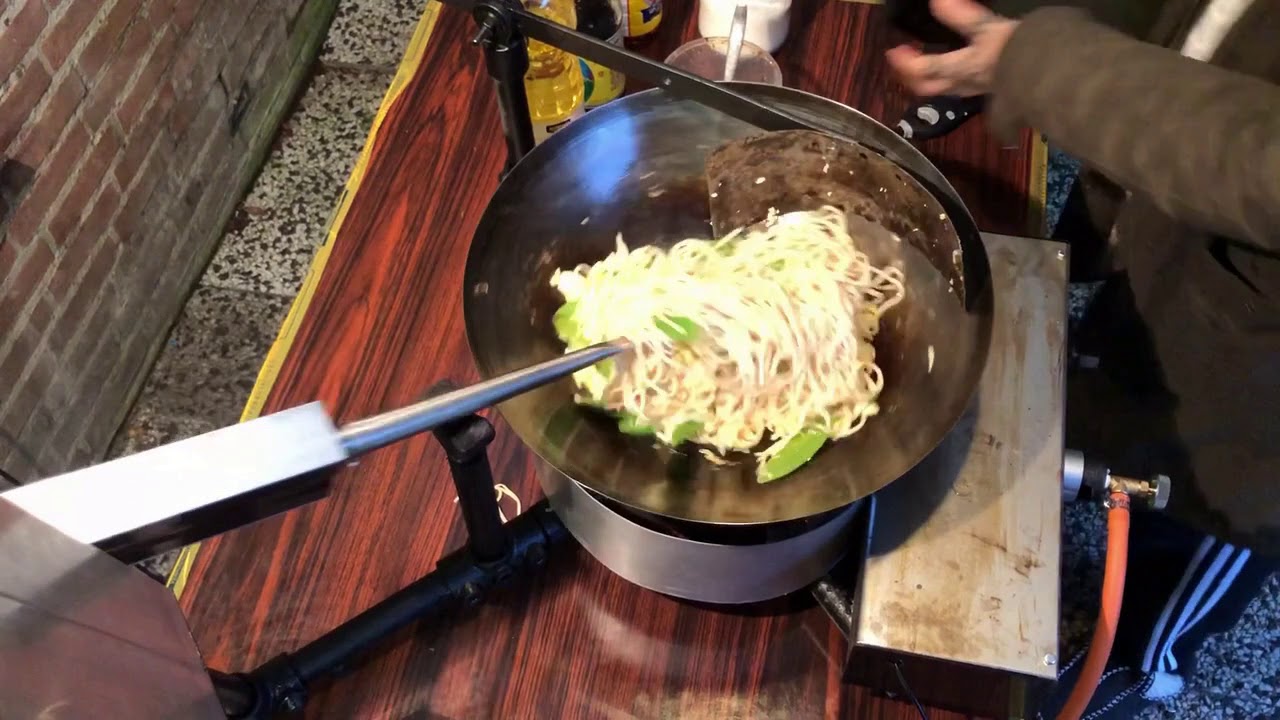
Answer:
x=379 y=320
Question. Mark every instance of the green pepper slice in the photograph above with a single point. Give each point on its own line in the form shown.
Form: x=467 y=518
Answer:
x=680 y=329
x=606 y=368
x=565 y=324
x=632 y=425
x=798 y=451
x=685 y=431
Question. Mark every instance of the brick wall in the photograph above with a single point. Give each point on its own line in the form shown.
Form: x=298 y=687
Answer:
x=129 y=131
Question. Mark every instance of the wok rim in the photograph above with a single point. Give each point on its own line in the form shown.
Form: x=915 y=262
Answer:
x=975 y=270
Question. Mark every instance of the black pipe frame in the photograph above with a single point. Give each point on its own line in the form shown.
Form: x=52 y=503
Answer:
x=496 y=555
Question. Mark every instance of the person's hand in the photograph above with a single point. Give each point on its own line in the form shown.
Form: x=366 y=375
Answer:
x=963 y=72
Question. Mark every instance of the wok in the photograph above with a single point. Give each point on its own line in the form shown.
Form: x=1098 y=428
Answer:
x=640 y=166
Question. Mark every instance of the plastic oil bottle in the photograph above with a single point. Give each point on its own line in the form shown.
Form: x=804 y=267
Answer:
x=603 y=20
x=554 y=81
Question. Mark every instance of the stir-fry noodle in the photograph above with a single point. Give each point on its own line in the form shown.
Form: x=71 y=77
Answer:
x=762 y=339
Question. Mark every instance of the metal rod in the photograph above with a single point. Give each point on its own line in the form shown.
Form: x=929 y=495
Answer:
x=507 y=59
x=334 y=651
x=507 y=66
x=381 y=430
x=465 y=444
x=737 y=31
x=458 y=582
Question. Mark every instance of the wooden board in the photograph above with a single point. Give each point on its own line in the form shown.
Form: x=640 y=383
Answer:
x=385 y=323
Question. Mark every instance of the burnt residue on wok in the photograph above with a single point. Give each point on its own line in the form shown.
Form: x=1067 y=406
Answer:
x=804 y=170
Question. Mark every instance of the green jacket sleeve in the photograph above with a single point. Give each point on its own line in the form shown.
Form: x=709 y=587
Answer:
x=1201 y=142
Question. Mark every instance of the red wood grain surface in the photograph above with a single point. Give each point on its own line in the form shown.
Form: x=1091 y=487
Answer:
x=386 y=323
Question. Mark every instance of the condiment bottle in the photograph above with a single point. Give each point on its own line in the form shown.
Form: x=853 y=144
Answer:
x=642 y=18
x=603 y=20
x=553 y=83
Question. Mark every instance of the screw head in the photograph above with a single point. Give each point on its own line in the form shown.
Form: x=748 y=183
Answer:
x=1062 y=254
x=1050 y=659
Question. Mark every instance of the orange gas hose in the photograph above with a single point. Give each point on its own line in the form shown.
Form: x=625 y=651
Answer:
x=1104 y=634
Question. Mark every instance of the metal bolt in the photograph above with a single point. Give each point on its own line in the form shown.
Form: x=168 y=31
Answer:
x=536 y=555
x=471 y=595
x=484 y=34
x=1050 y=659
x=1062 y=254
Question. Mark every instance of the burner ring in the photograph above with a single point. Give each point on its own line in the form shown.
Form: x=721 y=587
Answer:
x=724 y=565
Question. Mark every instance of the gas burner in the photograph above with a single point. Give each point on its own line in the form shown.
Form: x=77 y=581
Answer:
x=724 y=565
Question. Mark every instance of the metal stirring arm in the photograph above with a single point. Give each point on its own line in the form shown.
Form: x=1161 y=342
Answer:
x=143 y=504
x=381 y=430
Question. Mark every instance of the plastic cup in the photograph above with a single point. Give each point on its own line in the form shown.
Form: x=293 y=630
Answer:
x=706 y=58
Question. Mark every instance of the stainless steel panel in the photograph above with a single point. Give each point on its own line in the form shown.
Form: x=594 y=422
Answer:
x=964 y=557
x=689 y=569
x=114 y=498
x=84 y=636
